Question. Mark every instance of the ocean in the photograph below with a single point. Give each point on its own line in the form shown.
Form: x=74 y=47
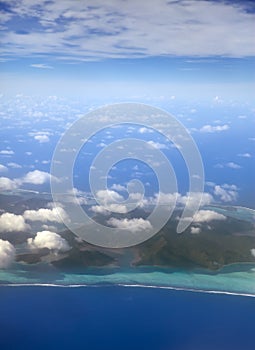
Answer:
x=119 y=317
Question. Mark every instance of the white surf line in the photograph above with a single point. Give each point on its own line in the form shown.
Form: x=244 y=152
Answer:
x=193 y=290
x=190 y=290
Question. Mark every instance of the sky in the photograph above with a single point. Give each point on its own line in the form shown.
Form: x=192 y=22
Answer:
x=128 y=49
x=62 y=59
x=59 y=60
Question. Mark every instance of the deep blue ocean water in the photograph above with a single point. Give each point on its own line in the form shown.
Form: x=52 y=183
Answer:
x=122 y=318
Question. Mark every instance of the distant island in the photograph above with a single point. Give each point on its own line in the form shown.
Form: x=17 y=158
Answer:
x=216 y=245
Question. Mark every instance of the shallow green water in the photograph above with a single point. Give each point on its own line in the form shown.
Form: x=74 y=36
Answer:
x=239 y=279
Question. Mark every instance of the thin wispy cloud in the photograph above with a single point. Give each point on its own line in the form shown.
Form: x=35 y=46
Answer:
x=231 y=165
x=244 y=155
x=41 y=66
x=77 y=30
x=212 y=128
x=6 y=152
x=3 y=168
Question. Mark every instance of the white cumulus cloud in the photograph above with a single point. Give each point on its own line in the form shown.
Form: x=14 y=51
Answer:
x=144 y=130
x=195 y=230
x=207 y=216
x=36 y=177
x=132 y=225
x=166 y=198
x=191 y=199
x=226 y=193
x=7 y=184
x=108 y=195
x=157 y=145
x=42 y=138
x=11 y=222
x=7 y=254
x=50 y=240
x=118 y=187
x=253 y=252
x=56 y=214
x=110 y=207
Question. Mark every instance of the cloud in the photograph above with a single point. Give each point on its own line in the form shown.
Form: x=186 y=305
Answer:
x=166 y=198
x=195 y=230
x=217 y=99
x=160 y=198
x=14 y=165
x=212 y=129
x=134 y=29
x=157 y=145
x=3 y=168
x=170 y=199
x=144 y=130
x=244 y=155
x=230 y=165
x=41 y=66
x=42 y=138
x=226 y=193
x=207 y=216
x=108 y=196
x=118 y=187
x=99 y=209
x=10 y=222
x=7 y=254
x=136 y=196
x=132 y=225
x=233 y=165
x=253 y=252
x=193 y=198
x=56 y=214
x=49 y=228
x=101 y=144
x=75 y=195
x=112 y=207
x=50 y=240
x=242 y=116
x=36 y=177
x=6 y=152
x=7 y=184
x=107 y=200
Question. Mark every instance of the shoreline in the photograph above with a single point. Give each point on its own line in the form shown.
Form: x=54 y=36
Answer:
x=230 y=281
x=191 y=290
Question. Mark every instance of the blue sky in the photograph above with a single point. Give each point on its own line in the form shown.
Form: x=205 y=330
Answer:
x=61 y=59
x=128 y=48
x=193 y=58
